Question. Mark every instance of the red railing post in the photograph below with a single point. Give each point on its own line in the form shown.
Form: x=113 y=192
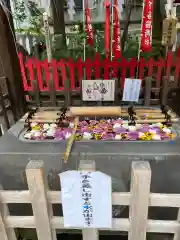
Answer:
x=132 y=67
x=45 y=66
x=80 y=71
x=177 y=70
x=23 y=72
x=160 y=66
x=39 y=74
x=169 y=63
x=142 y=65
x=88 y=68
x=115 y=65
x=123 y=64
x=30 y=67
x=107 y=67
x=55 y=74
x=97 y=66
x=62 y=65
x=71 y=66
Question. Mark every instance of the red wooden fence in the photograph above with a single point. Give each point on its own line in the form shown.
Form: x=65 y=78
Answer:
x=59 y=71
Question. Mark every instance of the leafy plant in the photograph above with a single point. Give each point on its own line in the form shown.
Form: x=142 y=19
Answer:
x=34 y=18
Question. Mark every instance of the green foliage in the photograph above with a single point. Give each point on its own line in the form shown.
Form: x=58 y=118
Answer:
x=34 y=19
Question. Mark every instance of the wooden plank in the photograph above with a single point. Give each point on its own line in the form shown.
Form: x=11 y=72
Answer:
x=118 y=224
x=88 y=165
x=71 y=141
x=143 y=121
x=5 y=232
x=177 y=234
x=155 y=199
x=37 y=190
x=140 y=189
x=52 y=116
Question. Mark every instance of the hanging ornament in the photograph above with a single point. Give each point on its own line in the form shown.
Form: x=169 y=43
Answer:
x=116 y=33
x=107 y=28
x=120 y=4
x=71 y=10
x=88 y=25
x=146 y=26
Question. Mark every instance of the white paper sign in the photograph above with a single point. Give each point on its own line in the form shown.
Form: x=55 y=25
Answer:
x=131 y=90
x=86 y=199
x=98 y=90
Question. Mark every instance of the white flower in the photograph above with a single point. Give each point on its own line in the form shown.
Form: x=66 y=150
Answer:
x=157 y=125
x=118 y=137
x=50 y=133
x=28 y=135
x=132 y=128
x=152 y=131
x=34 y=124
x=138 y=126
x=34 y=131
x=71 y=125
x=166 y=130
x=46 y=126
x=68 y=135
x=53 y=125
x=87 y=135
x=141 y=134
x=156 y=137
x=37 y=134
x=126 y=126
x=117 y=125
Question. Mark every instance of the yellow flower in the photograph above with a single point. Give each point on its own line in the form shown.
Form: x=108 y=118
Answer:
x=36 y=127
x=172 y=135
x=78 y=136
x=98 y=136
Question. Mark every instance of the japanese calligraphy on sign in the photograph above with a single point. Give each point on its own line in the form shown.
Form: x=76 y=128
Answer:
x=146 y=33
x=98 y=90
x=86 y=199
x=88 y=26
x=169 y=31
x=131 y=90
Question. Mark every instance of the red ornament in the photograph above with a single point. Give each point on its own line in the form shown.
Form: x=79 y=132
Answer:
x=116 y=35
x=146 y=31
x=88 y=25
x=107 y=28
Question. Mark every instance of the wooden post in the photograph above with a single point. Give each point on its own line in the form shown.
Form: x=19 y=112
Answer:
x=5 y=233
x=4 y=109
x=38 y=195
x=10 y=66
x=52 y=91
x=140 y=189
x=88 y=165
x=164 y=93
x=147 y=92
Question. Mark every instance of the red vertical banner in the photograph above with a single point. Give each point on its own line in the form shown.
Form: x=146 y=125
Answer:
x=146 y=26
x=88 y=24
x=107 y=28
x=116 y=33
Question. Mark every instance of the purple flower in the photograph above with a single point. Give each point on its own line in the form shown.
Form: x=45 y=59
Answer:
x=133 y=135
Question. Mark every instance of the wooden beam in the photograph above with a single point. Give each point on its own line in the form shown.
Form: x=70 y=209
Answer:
x=37 y=190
